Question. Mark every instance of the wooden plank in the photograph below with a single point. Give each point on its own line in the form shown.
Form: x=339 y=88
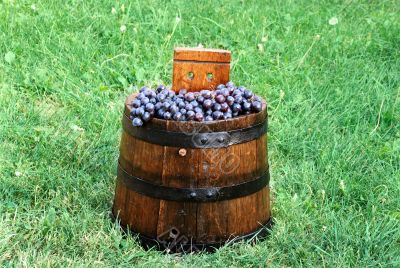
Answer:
x=197 y=68
x=202 y=54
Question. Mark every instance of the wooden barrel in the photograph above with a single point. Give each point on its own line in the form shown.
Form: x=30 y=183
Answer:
x=193 y=185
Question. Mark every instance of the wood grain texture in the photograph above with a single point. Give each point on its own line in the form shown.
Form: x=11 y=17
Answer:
x=195 y=69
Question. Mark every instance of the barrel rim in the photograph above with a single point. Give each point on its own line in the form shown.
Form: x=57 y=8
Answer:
x=239 y=122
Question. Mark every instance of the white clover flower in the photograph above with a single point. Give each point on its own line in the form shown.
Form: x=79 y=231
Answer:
x=76 y=128
x=18 y=174
x=333 y=21
x=324 y=228
x=113 y=10
x=260 y=47
x=135 y=29
x=294 y=198
x=323 y=194
x=122 y=28
x=281 y=94
x=341 y=185
x=123 y=8
x=33 y=7
x=177 y=19
x=264 y=39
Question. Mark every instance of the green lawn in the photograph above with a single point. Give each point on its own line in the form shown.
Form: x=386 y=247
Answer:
x=334 y=136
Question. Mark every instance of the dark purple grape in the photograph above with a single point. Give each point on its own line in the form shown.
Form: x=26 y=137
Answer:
x=220 y=86
x=189 y=96
x=160 y=113
x=145 y=100
x=248 y=94
x=136 y=103
x=216 y=107
x=146 y=117
x=171 y=94
x=160 y=88
x=189 y=107
x=137 y=122
x=183 y=111
x=208 y=112
x=133 y=112
x=224 y=107
x=166 y=105
x=256 y=106
x=238 y=99
x=225 y=92
x=236 y=92
x=140 y=96
x=161 y=97
x=149 y=107
x=153 y=100
x=220 y=98
x=217 y=115
x=140 y=111
x=181 y=104
x=143 y=89
x=198 y=110
x=209 y=118
x=190 y=115
x=230 y=100
x=206 y=94
x=207 y=104
x=235 y=114
x=200 y=99
x=236 y=108
x=230 y=84
x=227 y=115
x=158 y=106
x=194 y=103
x=182 y=92
x=177 y=116
x=199 y=117
x=173 y=109
x=257 y=98
x=246 y=106
x=167 y=115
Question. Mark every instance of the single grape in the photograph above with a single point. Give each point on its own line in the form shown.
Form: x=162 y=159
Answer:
x=207 y=104
x=230 y=84
x=246 y=106
x=140 y=96
x=230 y=100
x=166 y=105
x=182 y=92
x=177 y=116
x=248 y=94
x=217 y=115
x=136 y=103
x=200 y=99
x=199 y=117
x=236 y=108
x=146 y=117
x=167 y=115
x=216 y=107
x=145 y=100
x=183 y=111
x=137 y=122
x=189 y=107
x=256 y=106
x=160 y=88
x=189 y=96
x=220 y=98
x=173 y=109
x=140 y=111
x=194 y=103
x=206 y=94
x=161 y=97
x=227 y=115
x=153 y=100
x=190 y=115
x=198 y=110
x=209 y=118
x=224 y=107
x=149 y=107
x=208 y=112
x=238 y=99
x=220 y=86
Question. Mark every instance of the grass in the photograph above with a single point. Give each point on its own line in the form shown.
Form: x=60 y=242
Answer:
x=334 y=139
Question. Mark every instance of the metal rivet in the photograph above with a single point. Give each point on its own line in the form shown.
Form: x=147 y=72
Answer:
x=193 y=195
x=182 y=152
x=204 y=140
x=221 y=139
x=209 y=194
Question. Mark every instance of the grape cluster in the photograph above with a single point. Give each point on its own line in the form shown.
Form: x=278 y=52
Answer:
x=227 y=101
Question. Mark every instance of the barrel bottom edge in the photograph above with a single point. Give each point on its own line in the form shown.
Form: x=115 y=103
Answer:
x=179 y=245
